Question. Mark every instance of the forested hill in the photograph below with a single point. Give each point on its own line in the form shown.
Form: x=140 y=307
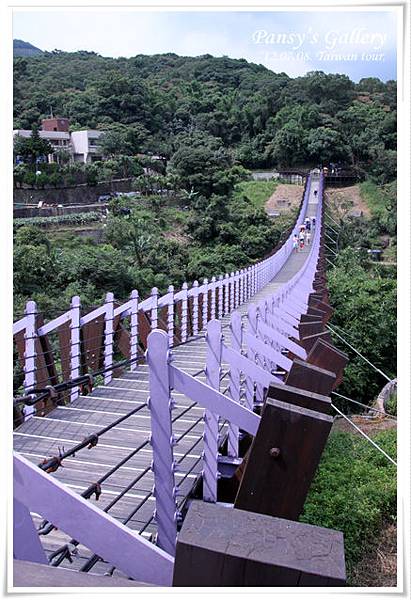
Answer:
x=263 y=118
x=21 y=48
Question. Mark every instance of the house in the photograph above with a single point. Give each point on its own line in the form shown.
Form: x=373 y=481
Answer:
x=81 y=146
x=85 y=145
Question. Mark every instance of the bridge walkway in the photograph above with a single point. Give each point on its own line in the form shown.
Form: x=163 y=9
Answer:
x=65 y=426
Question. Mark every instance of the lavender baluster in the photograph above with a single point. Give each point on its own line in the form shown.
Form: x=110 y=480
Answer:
x=220 y=297
x=154 y=308
x=160 y=406
x=134 y=330
x=195 y=308
x=30 y=358
x=108 y=336
x=232 y=295
x=235 y=382
x=213 y=299
x=205 y=304
x=253 y=325
x=75 y=344
x=170 y=315
x=184 y=312
x=226 y=294
x=237 y=289
x=210 y=453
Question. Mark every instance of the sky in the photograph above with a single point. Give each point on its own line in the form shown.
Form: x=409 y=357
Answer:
x=357 y=43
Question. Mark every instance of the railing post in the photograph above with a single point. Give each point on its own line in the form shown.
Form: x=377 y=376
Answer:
x=184 y=312
x=210 y=453
x=235 y=382
x=249 y=289
x=195 y=308
x=237 y=289
x=232 y=296
x=220 y=297
x=213 y=298
x=160 y=406
x=30 y=335
x=226 y=294
x=74 y=344
x=154 y=308
x=253 y=325
x=134 y=330
x=170 y=315
x=108 y=336
x=205 y=304
x=242 y=285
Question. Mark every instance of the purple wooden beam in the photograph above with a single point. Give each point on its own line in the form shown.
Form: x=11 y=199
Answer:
x=80 y=519
x=160 y=405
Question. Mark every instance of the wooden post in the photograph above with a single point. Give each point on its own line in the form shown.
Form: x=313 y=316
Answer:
x=108 y=336
x=75 y=351
x=283 y=458
x=223 y=547
x=134 y=330
x=327 y=356
x=299 y=397
x=160 y=405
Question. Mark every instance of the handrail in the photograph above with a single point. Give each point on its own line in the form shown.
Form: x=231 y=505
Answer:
x=226 y=294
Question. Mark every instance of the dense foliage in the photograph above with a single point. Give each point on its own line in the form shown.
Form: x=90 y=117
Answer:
x=147 y=242
x=354 y=490
x=363 y=293
x=166 y=103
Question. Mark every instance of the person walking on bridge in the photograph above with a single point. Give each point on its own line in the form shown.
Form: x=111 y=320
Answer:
x=307 y=237
x=295 y=243
x=302 y=239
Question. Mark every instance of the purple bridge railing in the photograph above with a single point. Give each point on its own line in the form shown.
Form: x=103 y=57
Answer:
x=259 y=355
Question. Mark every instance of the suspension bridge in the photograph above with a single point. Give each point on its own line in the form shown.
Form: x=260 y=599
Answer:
x=151 y=434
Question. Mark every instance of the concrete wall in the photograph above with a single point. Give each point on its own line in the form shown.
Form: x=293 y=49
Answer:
x=83 y=194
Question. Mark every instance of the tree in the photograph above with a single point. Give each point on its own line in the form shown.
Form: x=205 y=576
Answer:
x=365 y=308
x=325 y=144
x=200 y=163
x=32 y=148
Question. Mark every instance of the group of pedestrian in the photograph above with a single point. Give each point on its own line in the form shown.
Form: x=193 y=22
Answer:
x=304 y=236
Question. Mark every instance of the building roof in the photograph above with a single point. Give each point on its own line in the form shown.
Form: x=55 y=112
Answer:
x=49 y=135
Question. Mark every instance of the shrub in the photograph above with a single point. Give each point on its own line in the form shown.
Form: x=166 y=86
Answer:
x=354 y=490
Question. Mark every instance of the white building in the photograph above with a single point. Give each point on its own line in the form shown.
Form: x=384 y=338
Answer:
x=82 y=146
x=85 y=145
x=60 y=140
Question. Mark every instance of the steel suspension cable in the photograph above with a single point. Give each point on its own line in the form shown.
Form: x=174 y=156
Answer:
x=365 y=406
x=359 y=353
x=364 y=434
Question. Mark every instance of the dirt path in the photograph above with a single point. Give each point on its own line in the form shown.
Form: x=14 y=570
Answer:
x=286 y=196
x=368 y=426
x=347 y=201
